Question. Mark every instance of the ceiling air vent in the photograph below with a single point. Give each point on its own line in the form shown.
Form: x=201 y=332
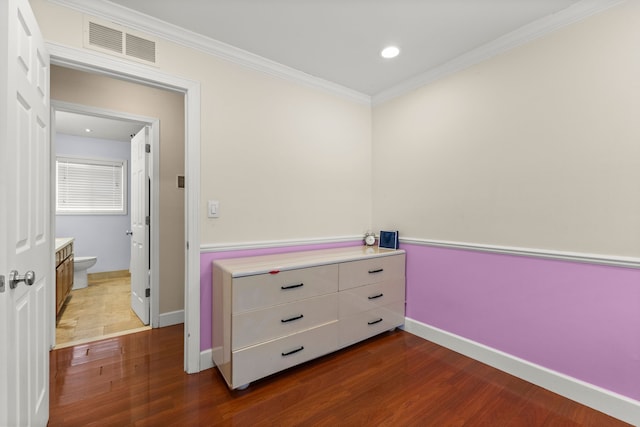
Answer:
x=105 y=37
x=116 y=40
x=141 y=48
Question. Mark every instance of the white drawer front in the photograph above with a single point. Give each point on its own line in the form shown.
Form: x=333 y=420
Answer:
x=363 y=298
x=252 y=363
x=367 y=271
x=369 y=323
x=264 y=290
x=254 y=327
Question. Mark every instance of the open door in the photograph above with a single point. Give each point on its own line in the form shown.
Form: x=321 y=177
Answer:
x=139 y=267
x=26 y=250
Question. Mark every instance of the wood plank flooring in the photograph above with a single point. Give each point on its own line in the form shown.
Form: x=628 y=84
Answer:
x=395 y=379
x=100 y=310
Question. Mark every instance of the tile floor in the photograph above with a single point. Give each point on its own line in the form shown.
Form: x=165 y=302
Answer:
x=100 y=310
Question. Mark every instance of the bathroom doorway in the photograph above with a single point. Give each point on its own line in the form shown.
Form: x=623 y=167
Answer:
x=104 y=307
x=176 y=102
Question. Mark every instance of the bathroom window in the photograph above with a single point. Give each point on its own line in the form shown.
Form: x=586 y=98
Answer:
x=91 y=186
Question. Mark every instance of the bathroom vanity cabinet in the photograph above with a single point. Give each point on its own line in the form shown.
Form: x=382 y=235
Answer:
x=276 y=311
x=64 y=271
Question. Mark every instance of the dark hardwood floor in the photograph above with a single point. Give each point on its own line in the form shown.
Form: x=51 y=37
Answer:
x=395 y=379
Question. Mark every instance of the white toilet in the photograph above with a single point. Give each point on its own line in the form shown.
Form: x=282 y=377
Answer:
x=80 y=266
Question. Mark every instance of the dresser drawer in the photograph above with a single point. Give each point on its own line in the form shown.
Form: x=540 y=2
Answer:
x=314 y=303
x=372 y=270
x=369 y=323
x=254 y=327
x=355 y=300
x=258 y=361
x=264 y=290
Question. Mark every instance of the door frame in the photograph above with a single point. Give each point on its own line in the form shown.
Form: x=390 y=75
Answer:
x=138 y=73
x=154 y=193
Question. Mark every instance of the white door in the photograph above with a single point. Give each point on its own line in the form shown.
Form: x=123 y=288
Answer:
x=26 y=311
x=139 y=267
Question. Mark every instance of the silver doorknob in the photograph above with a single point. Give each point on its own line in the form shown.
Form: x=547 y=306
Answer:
x=14 y=278
x=129 y=233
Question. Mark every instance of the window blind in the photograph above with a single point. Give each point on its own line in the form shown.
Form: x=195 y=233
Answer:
x=90 y=186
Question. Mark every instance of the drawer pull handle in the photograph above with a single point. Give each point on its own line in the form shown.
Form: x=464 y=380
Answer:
x=298 y=285
x=289 y=353
x=376 y=296
x=373 y=322
x=379 y=270
x=291 y=319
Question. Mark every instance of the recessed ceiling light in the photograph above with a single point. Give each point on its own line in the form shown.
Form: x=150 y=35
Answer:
x=390 y=52
x=87 y=130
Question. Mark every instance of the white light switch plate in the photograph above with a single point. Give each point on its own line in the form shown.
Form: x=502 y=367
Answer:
x=213 y=209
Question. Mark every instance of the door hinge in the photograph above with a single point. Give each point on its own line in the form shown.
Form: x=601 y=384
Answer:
x=147 y=148
x=147 y=292
x=147 y=220
x=1 y=283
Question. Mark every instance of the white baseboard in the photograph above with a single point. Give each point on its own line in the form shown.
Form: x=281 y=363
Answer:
x=171 y=318
x=603 y=400
x=206 y=361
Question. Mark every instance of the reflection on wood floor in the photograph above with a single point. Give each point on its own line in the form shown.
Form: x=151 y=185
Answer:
x=395 y=379
x=101 y=310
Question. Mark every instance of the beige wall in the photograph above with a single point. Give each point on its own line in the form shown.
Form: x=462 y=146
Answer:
x=536 y=148
x=286 y=161
x=103 y=92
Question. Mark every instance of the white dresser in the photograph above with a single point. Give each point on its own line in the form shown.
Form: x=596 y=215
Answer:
x=276 y=311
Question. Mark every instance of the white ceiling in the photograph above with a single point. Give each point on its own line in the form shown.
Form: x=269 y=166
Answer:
x=340 y=40
x=101 y=128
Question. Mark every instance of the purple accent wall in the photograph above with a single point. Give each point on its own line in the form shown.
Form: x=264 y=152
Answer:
x=578 y=319
x=582 y=320
x=206 y=272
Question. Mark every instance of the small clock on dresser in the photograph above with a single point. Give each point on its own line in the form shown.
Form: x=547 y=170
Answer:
x=369 y=238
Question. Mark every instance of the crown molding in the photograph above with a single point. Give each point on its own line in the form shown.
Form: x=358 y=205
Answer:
x=519 y=37
x=144 y=23
x=120 y=15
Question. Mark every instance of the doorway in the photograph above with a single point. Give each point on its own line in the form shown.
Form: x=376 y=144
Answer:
x=83 y=60
x=102 y=305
